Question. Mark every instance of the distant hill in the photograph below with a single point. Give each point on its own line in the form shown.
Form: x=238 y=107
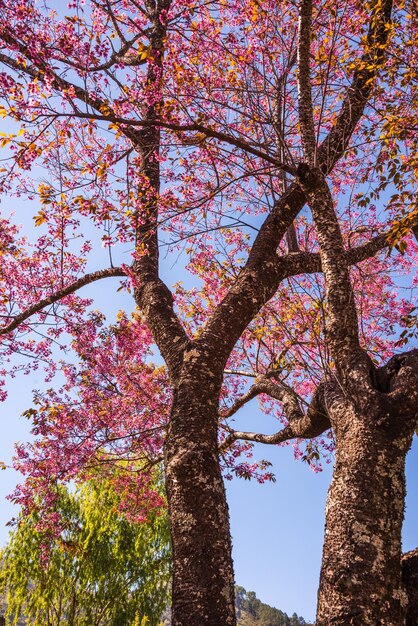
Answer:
x=252 y=612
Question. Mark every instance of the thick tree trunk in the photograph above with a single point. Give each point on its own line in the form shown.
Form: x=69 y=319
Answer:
x=203 y=583
x=410 y=579
x=361 y=576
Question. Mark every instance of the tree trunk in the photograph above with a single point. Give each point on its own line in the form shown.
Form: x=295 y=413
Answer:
x=360 y=581
x=203 y=583
x=410 y=579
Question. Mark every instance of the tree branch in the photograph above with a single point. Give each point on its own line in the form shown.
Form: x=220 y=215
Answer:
x=58 y=295
x=279 y=391
x=262 y=274
x=62 y=86
x=306 y=121
x=362 y=85
x=310 y=262
x=258 y=280
x=239 y=143
x=401 y=373
x=151 y=293
x=301 y=425
x=341 y=322
x=127 y=126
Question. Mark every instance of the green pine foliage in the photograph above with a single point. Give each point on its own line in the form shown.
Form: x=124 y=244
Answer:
x=252 y=612
x=102 y=569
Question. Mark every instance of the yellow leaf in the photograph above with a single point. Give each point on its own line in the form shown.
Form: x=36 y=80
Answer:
x=40 y=218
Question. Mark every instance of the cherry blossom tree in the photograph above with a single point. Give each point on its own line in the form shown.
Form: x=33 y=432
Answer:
x=271 y=147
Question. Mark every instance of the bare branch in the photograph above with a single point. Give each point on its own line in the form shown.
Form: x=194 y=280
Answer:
x=239 y=143
x=240 y=373
x=301 y=425
x=278 y=390
x=252 y=393
x=203 y=132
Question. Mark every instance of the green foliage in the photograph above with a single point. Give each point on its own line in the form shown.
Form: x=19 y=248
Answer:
x=101 y=570
x=252 y=612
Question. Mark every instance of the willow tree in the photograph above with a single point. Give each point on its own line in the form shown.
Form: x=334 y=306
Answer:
x=97 y=568
x=271 y=147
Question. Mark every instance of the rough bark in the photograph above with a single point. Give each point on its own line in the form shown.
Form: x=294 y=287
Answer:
x=360 y=576
x=361 y=581
x=410 y=580
x=203 y=582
